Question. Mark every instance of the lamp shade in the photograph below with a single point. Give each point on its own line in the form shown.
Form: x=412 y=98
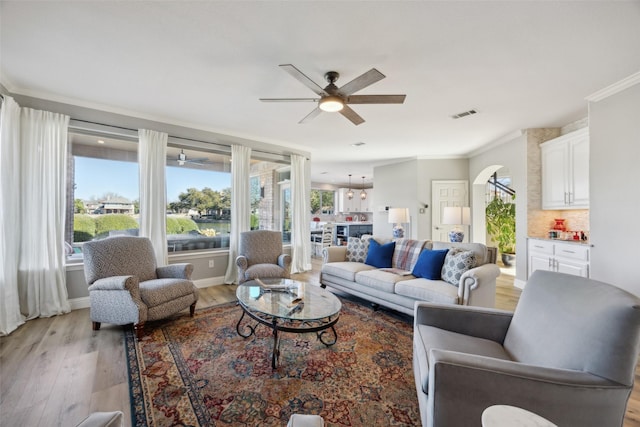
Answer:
x=456 y=215
x=398 y=215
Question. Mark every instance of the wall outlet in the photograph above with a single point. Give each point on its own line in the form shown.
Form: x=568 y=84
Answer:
x=211 y=263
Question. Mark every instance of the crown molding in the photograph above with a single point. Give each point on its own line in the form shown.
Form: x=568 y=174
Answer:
x=614 y=88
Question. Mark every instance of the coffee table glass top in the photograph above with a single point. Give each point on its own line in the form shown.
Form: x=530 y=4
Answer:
x=288 y=299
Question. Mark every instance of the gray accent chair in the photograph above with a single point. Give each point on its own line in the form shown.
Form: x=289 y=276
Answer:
x=568 y=353
x=260 y=255
x=126 y=286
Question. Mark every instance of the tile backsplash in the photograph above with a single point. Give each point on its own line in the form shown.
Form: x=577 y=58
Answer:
x=541 y=221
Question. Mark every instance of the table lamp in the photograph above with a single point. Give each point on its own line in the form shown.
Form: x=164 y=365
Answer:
x=456 y=216
x=398 y=216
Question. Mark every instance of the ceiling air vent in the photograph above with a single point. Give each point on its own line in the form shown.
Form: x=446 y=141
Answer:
x=464 y=114
x=357 y=144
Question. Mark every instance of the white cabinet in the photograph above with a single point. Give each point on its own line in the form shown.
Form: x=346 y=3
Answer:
x=562 y=257
x=565 y=171
x=355 y=204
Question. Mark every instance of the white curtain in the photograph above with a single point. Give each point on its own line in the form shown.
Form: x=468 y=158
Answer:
x=152 y=158
x=300 y=207
x=240 y=205
x=43 y=167
x=10 y=316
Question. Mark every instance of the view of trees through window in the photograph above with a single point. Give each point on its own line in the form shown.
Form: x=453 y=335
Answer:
x=322 y=202
x=104 y=196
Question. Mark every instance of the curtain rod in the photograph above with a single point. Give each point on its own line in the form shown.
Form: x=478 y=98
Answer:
x=178 y=137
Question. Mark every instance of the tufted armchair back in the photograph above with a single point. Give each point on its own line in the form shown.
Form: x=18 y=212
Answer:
x=119 y=256
x=261 y=246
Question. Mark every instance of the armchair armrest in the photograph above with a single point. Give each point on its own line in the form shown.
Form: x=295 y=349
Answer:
x=334 y=254
x=284 y=261
x=175 y=271
x=479 y=322
x=242 y=262
x=480 y=280
x=462 y=385
x=115 y=283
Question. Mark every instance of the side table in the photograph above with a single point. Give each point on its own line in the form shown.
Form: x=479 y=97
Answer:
x=511 y=416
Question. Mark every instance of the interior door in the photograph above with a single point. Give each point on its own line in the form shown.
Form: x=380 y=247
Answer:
x=447 y=193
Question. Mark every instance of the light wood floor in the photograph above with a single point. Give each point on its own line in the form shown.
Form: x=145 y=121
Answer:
x=55 y=371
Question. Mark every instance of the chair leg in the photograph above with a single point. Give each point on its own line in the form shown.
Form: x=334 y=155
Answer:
x=192 y=309
x=96 y=326
x=139 y=330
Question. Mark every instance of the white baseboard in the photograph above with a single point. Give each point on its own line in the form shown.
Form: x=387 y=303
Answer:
x=519 y=283
x=209 y=281
x=83 y=302
x=79 y=303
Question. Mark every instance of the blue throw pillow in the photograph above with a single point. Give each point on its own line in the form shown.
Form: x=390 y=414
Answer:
x=429 y=265
x=380 y=256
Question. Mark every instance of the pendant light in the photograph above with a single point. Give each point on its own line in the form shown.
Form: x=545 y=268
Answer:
x=350 y=192
x=363 y=194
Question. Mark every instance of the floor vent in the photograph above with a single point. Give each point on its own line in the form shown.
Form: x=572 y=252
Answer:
x=464 y=114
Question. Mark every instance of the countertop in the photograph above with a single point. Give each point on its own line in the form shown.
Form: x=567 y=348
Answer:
x=354 y=223
x=576 y=242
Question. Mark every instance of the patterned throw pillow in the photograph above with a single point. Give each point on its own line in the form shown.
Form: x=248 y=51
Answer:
x=357 y=249
x=456 y=263
x=407 y=253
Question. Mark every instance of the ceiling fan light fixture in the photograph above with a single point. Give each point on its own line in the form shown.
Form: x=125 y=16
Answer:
x=331 y=104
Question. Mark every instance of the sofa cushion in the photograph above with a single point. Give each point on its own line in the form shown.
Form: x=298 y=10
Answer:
x=380 y=256
x=428 y=290
x=357 y=249
x=478 y=249
x=406 y=253
x=379 y=280
x=345 y=270
x=429 y=265
x=427 y=337
x=456 y=263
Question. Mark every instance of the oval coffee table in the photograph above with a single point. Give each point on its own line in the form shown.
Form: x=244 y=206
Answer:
x=286 y=305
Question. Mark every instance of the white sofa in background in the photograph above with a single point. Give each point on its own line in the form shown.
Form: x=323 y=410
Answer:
x=476 y=286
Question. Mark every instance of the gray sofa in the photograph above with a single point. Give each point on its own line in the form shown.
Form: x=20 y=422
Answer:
x=568 y=353
x=477 y=286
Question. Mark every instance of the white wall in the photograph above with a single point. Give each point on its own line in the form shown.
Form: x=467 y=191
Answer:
x=513 y=155
x=614 y=131
x=408 y=185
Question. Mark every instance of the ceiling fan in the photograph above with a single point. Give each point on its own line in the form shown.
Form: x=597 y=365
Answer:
x=182 y=159
x=336 y=99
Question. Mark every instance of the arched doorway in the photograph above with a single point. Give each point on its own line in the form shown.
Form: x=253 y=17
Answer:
x=480 y=198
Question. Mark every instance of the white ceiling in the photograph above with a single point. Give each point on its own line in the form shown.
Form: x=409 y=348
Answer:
x=520 y=64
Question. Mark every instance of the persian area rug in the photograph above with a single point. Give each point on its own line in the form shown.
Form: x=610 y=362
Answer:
x=199 y=372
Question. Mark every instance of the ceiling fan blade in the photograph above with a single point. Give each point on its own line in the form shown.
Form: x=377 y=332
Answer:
x=289 y=99
x=351 y=115
x=298 y=75
x=376 y=99
x=310 y=116
x=366 y=79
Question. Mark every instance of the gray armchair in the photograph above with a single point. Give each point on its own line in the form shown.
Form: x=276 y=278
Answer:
x=126 y=287
x=567 y=353
x=260 y=255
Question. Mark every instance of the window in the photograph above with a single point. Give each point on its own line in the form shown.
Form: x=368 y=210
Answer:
x=322 y=202
x=198 y=199
x=267 y=179
x=102 y=189
x=103 y=195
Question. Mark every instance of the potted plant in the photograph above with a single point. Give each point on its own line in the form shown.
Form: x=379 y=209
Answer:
x=501 y=226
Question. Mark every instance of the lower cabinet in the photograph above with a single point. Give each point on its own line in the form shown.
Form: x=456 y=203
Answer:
x=562 y=257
